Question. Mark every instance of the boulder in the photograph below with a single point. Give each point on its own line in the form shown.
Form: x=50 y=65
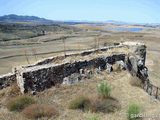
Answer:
x=122 y=65
x=75 y=77
x=109 y=67
x=83 y=76
x=66 y=80
x=133 y=65
x=88 y=74
x=140 y=63
x=97 y=71
x=81 y=71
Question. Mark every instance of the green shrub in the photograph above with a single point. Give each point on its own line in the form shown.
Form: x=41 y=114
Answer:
x=133 y=109
x=81 y=103
x=19 y=103
x=37 y=111
x=103 y=90
x=92 y=116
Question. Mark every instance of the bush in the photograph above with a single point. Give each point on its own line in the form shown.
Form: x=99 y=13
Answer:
x=37 y=111
x=133 y=109
x=105 y=105
x=19 y=103
x=92 y=116
x=81 y=103
x=103 y=90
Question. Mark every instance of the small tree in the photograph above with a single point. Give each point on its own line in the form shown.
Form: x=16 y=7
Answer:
x=25 y=54
x=95 y=40
x=34 y=53
x=78 y=46
x=63 y=40
x=98 y=39
x=98 y=42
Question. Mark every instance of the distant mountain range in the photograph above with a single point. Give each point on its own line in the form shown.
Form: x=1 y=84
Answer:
x=20 y=18
x=12 y=18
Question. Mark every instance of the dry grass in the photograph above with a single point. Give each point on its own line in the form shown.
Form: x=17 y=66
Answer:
x=82 y=103
x=135 y=81
x=19 y=103
x=37 y=111
x=92 y=116
x=60 y=97
x=116 y=67
x=100 y=53
x=105 y=105
x=14 y=90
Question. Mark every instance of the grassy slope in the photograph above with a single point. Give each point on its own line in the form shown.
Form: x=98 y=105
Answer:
x=60 y=97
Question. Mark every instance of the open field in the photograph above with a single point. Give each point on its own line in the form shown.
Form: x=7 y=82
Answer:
x=81 y=37
x=78 y=37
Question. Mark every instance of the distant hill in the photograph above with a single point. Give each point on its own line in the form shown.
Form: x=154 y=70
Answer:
x=113 y=21
x=20 y=18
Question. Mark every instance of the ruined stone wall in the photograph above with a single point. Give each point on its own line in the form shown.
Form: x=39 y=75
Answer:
x=83 y=53
x=136 y=61
x=7 y=80
x=44 y=76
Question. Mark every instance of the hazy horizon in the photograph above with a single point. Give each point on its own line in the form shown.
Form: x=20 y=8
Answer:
x=132 y=11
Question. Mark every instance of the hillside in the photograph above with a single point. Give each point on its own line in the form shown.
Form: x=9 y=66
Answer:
x=20 y=18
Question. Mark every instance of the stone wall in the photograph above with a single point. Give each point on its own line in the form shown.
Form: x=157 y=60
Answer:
x=7 y=80
x=136 y=61
x=83 y=53
x=45 y=76
x=139 y=50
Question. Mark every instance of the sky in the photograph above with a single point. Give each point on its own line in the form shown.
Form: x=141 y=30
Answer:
x=136 y=11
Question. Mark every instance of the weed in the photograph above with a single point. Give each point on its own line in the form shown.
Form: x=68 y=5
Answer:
x=19 y=103
x=92 y=116
x=81 y=103
x=133 y=109
x=103 y=90
x=104 y=105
